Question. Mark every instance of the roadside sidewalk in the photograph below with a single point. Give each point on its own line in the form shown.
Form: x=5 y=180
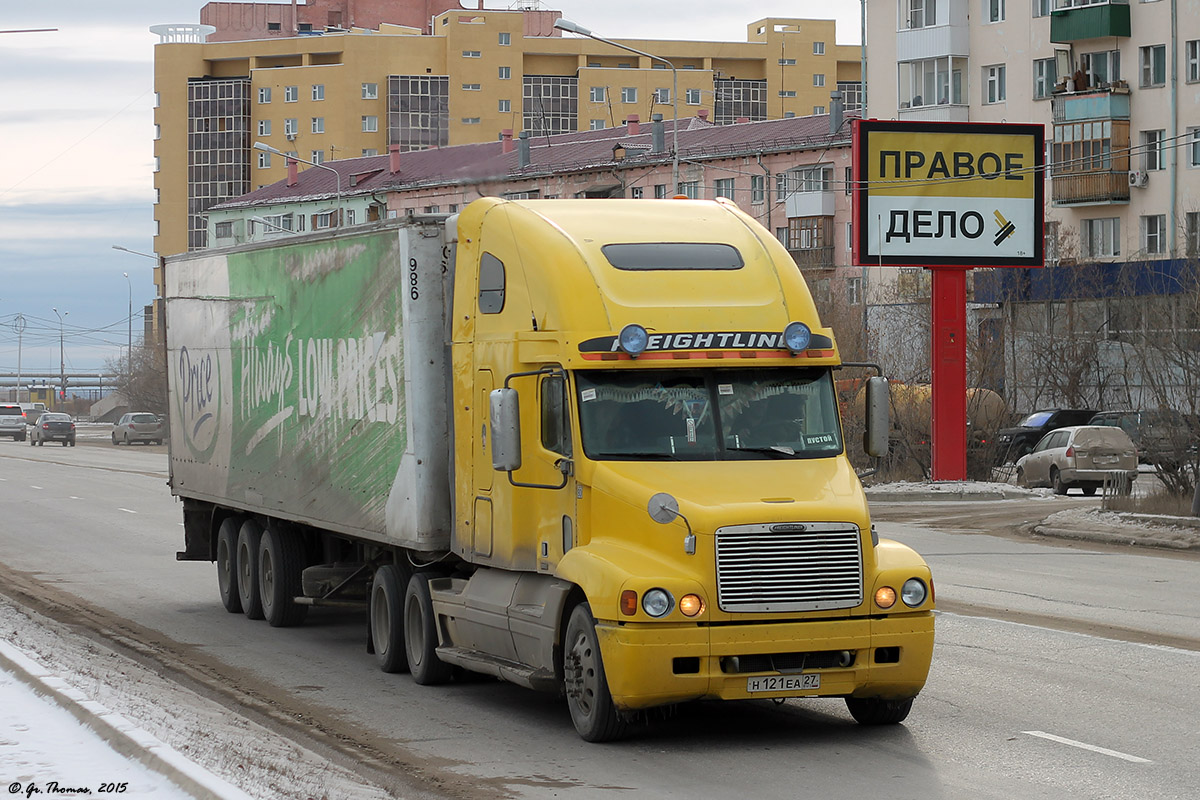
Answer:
x=1084 y=524
x=56 y=741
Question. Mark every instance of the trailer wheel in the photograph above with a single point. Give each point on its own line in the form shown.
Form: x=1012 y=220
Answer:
x=249 y=538
x=387 y=620
x=227 y=577
x=592 y=710
x=420 y=634
x=280 y=563
x=877 y=711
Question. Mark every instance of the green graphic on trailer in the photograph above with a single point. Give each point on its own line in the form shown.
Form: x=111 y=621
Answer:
x=318 y=370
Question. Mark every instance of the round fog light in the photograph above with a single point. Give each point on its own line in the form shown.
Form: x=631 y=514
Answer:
x=633 y=339
x=913 y=592
x=657 y=602
x=885 y=597
x=691 y=604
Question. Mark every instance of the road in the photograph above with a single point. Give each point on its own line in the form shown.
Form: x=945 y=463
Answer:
x=1024 y=699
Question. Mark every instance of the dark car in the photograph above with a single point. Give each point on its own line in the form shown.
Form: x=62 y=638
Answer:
x=1012 y=443
x=53 y=427
x=1161 y=436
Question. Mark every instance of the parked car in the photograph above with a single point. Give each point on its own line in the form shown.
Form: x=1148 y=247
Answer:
x=53 y=427
x=1162 y=436
x=1012 y=443
x=138 y=427
x=12 y=421
x=1080 y=457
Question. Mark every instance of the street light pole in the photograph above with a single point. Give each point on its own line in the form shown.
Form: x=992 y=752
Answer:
x=129 y=350
x=570 y=27
x=337 y=176
x=62 y=362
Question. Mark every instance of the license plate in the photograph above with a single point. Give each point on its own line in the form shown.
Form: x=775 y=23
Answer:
x=783 y=683
x=1106 y=459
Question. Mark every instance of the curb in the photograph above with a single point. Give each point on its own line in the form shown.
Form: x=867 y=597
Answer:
x=1132 y=536
x=117 y=732
x=937 y=496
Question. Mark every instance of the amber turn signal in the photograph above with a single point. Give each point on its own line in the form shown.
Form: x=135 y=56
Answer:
x=691 y=605
x=629 y=602
x=885 y=597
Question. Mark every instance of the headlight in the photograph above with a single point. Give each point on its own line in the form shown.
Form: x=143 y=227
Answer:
x=885 y=597
x=657 y=602
x=914 y=592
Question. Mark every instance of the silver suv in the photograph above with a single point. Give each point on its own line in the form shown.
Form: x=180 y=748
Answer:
x=12 y=421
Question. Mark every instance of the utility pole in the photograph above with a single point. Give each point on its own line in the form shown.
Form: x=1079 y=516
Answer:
x=62 y=361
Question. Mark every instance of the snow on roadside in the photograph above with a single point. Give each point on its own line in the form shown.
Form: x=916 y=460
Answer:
x=257 y=760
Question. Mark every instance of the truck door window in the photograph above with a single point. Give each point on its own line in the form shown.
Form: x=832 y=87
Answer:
x=491 y=284
x=556 y=433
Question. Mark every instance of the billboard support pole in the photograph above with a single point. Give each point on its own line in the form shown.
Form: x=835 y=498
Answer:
x=949 y=373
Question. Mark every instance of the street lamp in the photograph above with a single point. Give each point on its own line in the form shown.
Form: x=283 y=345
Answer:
x=62 y=362
x=129 y=349
x=570 y=27
x=266 y=148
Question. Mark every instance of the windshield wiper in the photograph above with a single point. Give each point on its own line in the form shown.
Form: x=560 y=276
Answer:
x=641 y=456
x=777 y=450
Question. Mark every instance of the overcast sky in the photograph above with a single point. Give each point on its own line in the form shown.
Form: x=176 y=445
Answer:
x=76 y=151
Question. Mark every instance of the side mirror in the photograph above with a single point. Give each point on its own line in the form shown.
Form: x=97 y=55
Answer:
x=504 y=419
x=875 y=440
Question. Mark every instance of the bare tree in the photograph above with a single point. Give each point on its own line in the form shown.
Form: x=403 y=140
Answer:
x=142 y=378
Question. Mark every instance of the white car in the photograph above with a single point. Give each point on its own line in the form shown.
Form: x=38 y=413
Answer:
x=1083 y=457
x=138 y=427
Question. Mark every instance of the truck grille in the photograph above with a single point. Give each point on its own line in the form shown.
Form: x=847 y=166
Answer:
x=789 y=567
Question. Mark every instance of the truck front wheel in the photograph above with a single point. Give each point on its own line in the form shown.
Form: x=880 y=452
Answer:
x=280 y=564
x=592 y=710
x=420 y=634
x=387 y=620
x=227 y=579
x=877 y=711
x=249 y=538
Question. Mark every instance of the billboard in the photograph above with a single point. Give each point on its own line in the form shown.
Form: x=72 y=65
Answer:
x=948 y=194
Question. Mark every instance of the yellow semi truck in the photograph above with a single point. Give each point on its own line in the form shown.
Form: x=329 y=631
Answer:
x=587 y=446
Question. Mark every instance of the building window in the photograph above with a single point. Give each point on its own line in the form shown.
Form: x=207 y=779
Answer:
x=787 y=93
x=370 y=91
x=810 y=233
x=596 y=125
x=818 y=110
x=1102 y=67
x=1152 y=149
x=629 y=94
x=550 y=104
x=1101 y=238
x=758 y=188
x=995 y=10
x=1193 y=147
x=803 y=179
x=918 y=13
x=264 y=94
x=1042 y=8
x=264 y=127
x=662 y=96
x=224 y=230
x=1193 y=61
x=596 y=94
x=1154 y=229
x=787 y=62
x=264 y=159
x=849 y=236
x=318 y=124
x=472 y=54
x=690 y=189
x=470 y=87
x=1153 y=61
x=818 y=79
x=291 y=94
x=504 y=73
x=818 y=48
x=692 y=97
x=723 y=187
x=735 y=99
x=781 y=233
x=851 y=94
x=317 y=156
x=470 y=120
x=504 y=39
x=318 y=91
x=291 y=127
x=504 y=106
x=853 y=291
x=1082 y=147
x=1045 y=75
x=635 y=193
x=848 y=180
x=322 y=220
x=370 y=124
x=660 y=191
x=995 y=90
x=930 y=81
x=1192 y=229
x=370 y=151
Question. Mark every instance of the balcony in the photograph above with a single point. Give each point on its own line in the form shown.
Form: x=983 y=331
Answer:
x=1111 y=102
x=1090 y=188
x=944 y=112
x=813 y=258
x=809 y=204
x=1076 y=20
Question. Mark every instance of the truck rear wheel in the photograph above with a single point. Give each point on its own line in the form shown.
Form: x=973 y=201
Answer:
x=877 y=711
x=420 y=634
x=387 y=620
x=249 y=538
x=227 y=580
x=592 y=710
x=280 y=562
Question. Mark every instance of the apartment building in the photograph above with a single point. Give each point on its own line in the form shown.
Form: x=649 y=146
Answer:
x=1116 y=85
x=340 y=92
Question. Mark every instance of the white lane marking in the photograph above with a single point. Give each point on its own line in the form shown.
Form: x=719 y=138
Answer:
x=1077 y=634
x=31 y=486
x=73 y=497
x=1086 y=746
x=127 y=510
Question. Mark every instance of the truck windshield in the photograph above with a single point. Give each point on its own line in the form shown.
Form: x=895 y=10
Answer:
x=708 y=415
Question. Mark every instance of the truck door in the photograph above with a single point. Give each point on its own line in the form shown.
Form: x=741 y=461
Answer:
x=556 y=529
x=481 y=514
